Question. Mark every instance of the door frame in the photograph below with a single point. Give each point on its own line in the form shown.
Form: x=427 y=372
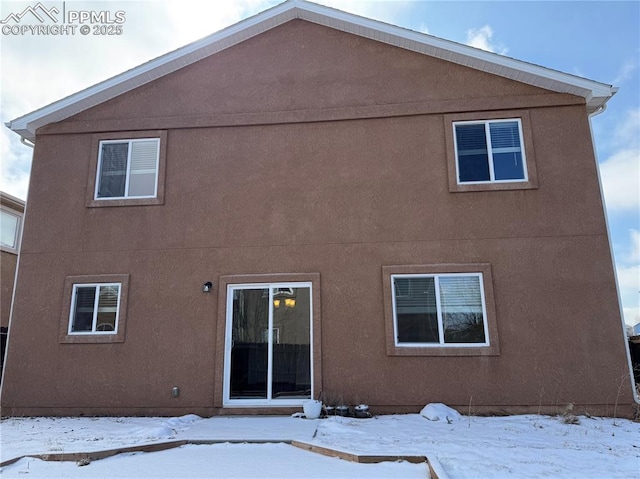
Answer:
x=222 y=359
x=228 y=344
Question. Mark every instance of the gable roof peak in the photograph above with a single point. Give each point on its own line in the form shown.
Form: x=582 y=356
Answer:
x=596 y=94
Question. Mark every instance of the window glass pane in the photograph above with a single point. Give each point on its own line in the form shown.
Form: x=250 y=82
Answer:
x=416 y=315
x=461 y=303
x=142 y=184
x=250 y=346
x=291 y=343
x=107 y=308
x=143 y=171
x=508 y=166
x=504 y=134
x=83 y=311
x=473 y=159
x=507 y=151
x=9 y=228
x=113 y=170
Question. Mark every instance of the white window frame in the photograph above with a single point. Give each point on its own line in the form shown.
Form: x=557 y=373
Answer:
x=487 y=134
x=128 y=172
x=440 y=343
x=94 y=325
x=18 y=232
x=269 y=401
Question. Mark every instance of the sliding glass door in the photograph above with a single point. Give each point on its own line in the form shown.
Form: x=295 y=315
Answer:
x=268 y=345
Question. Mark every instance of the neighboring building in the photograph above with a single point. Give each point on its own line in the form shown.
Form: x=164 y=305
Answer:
x=11 y=212
x=312 y=203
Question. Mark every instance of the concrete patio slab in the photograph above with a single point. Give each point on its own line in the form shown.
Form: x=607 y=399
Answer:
x=264 y=429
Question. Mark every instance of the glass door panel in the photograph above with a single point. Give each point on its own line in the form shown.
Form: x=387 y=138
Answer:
x=268 y=344
x=291 y=337
x=249 y=344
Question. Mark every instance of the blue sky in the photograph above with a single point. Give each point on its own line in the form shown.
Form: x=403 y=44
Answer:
x=597 y=40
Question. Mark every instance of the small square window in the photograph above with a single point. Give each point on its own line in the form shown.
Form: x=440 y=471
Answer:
x=94 y=309
x=490 y=151
x=128 y=169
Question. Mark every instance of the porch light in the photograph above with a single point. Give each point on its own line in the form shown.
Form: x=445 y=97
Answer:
x=276 y=303
x=206 y=287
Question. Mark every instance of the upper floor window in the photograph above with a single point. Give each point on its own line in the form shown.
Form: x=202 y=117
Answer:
x=489 y=151
x=128 y=169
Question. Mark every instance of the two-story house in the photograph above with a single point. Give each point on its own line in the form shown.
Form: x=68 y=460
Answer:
x=311 y=203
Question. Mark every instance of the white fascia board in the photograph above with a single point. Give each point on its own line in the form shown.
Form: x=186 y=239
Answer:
x=596 y=94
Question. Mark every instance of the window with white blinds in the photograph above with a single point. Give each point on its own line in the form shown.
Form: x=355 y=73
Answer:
x=128 y=169
x=439 y=309
x=94 y=309
x=489 y=151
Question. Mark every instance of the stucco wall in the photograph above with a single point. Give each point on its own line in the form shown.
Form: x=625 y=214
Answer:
x=306 y=150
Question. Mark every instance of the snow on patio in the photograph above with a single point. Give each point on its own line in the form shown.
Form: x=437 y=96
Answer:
x=467 y=447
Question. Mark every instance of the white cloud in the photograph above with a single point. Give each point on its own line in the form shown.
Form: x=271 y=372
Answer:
x=627 y=132
x=386 y=11
x=628 y=273
x=621 y=180
x=620 y=172
x=631 y=316
x=629 y=284
x=481 y=38
x=629 y=278
x=625 y=72
x=15 y=165
x=190 y=20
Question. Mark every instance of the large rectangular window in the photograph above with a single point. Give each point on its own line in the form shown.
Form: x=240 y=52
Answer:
x=489 y=151
x=439 y=310
x=128 y=169
x=94 y=309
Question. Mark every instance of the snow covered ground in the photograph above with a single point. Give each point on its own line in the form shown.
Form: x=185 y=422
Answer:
x=527 y=446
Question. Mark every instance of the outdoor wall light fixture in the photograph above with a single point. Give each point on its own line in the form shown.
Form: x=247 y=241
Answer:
x=206 y=287
x=175 y=391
